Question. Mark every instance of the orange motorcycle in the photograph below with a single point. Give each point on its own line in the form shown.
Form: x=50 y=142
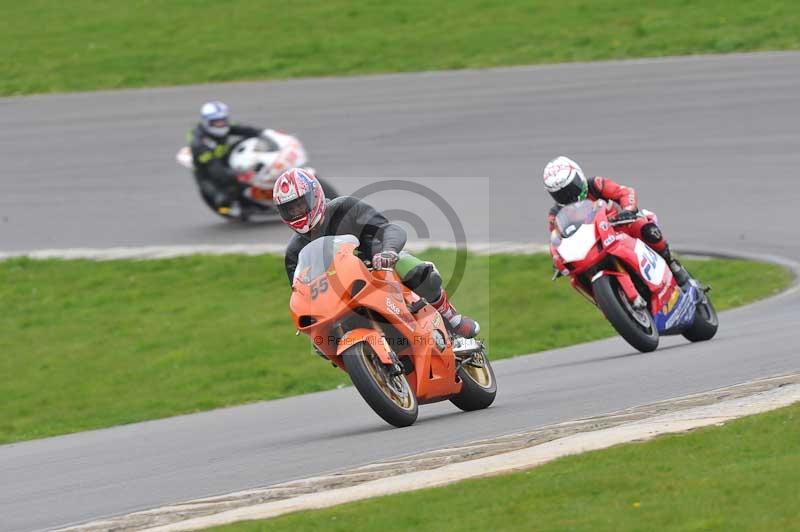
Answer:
x=396 y=347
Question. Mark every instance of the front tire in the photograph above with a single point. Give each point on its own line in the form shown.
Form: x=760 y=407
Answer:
x=619 y=312
x=705 y=323
x=390 y=397
x=479 y=386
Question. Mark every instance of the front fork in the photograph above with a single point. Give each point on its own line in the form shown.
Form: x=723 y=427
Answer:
x=468 y=351
x=625 y=282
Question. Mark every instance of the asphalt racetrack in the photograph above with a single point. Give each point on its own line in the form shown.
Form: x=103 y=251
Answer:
x=711 y=143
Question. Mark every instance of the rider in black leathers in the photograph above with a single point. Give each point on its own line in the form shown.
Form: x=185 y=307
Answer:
x=347 y=215
x=210 y=142
x=301 y=203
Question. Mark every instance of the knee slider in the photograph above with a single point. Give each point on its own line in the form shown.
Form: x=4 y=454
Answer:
x=424 y=279
x=652 y=234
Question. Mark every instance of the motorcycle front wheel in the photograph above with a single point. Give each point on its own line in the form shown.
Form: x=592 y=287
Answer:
x=391 y=397
x=636 y=326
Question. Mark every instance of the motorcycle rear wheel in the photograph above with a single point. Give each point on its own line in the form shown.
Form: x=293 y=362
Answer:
x=609 y=297
x=705 y=323
x=390 y=397
x=479 y=386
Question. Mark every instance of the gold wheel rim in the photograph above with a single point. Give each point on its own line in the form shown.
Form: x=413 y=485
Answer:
x=482 y=376
x=372 y=361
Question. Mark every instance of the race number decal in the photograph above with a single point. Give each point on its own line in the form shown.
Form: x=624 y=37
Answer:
x=318 y=287
x=651 y=265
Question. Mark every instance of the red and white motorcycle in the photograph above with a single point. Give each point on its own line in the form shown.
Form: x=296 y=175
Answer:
x=259 y=161
x=630 y=283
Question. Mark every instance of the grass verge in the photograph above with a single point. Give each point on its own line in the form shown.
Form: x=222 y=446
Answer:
x=738 y=477
x=92 y=44
x=89 y=344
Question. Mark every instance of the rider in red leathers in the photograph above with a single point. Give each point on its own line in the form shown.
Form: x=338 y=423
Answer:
x=566 y=183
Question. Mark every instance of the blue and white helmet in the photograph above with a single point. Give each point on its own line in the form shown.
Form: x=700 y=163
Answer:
x=214 y=119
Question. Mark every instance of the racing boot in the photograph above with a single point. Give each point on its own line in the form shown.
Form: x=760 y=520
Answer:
x=232 y=209
x=235 y=209
x=459 y=324
x=678 y=271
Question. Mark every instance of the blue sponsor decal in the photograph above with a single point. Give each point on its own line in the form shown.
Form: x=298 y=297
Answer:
x=305 y=179
x=681 y=313
x=648 y=264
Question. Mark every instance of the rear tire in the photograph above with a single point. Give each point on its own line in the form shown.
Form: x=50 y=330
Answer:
x=607 y=293
x=365 y=370
x=705 y=323
x=478 y=389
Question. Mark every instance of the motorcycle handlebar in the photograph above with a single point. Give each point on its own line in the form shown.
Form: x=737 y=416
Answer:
x=368 y=264
x=626 y=222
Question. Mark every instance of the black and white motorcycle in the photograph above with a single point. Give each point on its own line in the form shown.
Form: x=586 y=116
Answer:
x=267 y=156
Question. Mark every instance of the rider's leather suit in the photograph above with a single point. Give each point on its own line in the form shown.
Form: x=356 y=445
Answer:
x=217 y=180
x=625 y=199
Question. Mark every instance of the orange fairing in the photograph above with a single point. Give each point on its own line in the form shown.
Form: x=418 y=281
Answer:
x=371 y=337
x=339 y=303
x=433 y=377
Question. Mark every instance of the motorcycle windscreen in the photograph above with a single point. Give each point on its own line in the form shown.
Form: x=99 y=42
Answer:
x=578 y=244
x=251 y=153
x=571 y=217
x=317 y=257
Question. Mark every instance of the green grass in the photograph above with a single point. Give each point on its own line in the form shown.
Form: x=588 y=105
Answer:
x=93 y=344
x=52 y=46
x=743 y=476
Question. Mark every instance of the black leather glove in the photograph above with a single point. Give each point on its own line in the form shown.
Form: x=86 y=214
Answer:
x=625 y=216
x=385 y=260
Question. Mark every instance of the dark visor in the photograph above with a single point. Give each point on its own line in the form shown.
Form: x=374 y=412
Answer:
x=297 y=208
x=570 y=193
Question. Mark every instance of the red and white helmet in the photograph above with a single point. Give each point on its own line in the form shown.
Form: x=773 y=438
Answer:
x=300 y=199
x=564 y=180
